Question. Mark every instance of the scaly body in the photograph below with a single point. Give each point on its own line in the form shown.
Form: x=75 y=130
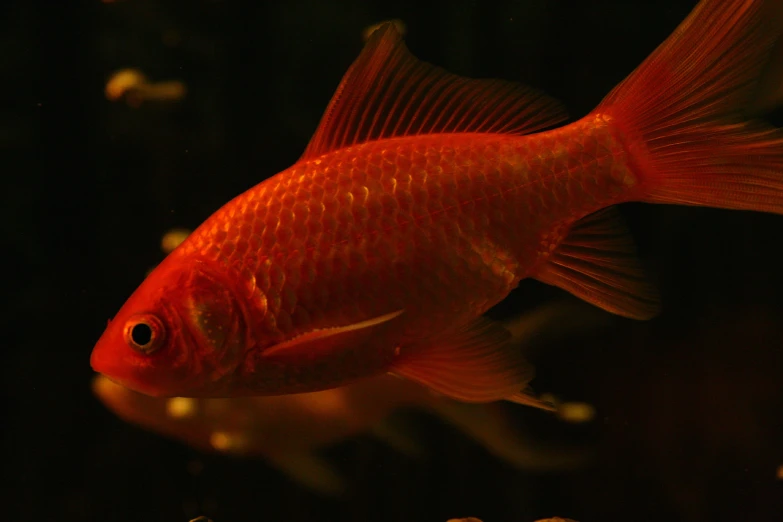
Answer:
x=334 y=240
x=423 y=199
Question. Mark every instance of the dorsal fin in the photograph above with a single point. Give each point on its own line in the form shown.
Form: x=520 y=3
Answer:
x=388 y=92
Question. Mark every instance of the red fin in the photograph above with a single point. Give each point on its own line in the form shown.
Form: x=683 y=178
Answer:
x=475 y=363
x=529 y=398
x=596 y=262
x=769 y=94
x=388 y=92
x=681 y=112
x=326 y=337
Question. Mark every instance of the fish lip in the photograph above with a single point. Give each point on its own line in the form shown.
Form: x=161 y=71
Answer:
x=134 y=386
x=104 y=365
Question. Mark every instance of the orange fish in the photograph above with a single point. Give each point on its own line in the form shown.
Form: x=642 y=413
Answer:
x=423 y=199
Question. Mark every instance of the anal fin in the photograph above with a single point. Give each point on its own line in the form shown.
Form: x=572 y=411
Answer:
x=597 y=263
x=528 y=398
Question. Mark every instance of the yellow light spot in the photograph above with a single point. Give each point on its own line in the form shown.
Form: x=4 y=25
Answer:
x=221 y=441
x=181 y=407
x=780 y=472
x=576 y=412
x=228 y=442
x=173 y=238
x=122 y=81
x=133 y=85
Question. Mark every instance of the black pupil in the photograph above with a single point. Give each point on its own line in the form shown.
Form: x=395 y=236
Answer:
x=141 y=334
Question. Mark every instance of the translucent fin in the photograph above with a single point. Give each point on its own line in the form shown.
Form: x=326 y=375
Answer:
x=475 y=363
x=769 y=93
x=388 y=92
x=490 y=426
x=597 y=262
x=398 y=434
x=327 y=338
x=551 y=322
x=310 y=471
x=529 y=398
x=682 y=111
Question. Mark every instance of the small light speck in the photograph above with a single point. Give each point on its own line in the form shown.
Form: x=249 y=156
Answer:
x=173 y=238
x=181 y=407
x=221 y=441
x=576 y=412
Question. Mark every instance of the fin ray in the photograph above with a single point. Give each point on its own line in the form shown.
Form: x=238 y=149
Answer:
x=684 y=110
x=473 y=363
x=597 y=263
x=326 y=336
x=387 y=92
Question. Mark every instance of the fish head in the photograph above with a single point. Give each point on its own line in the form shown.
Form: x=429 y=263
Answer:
x=181 y=333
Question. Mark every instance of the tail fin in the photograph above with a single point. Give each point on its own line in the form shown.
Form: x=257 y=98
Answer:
x=685 y=104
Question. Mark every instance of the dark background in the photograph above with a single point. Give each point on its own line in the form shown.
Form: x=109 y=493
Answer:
x=690 y=406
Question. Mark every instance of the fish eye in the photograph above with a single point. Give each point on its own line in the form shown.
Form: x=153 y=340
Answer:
x=144 y=333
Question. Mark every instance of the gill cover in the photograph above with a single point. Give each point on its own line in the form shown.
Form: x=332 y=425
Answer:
x=215 y=324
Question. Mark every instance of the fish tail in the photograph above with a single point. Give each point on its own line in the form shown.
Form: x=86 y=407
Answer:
x=680 y=113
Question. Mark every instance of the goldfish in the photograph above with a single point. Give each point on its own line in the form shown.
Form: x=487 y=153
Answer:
x=424 y=198
x=288 y=430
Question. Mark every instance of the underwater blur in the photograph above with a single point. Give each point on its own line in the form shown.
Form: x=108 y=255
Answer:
x=126 y=123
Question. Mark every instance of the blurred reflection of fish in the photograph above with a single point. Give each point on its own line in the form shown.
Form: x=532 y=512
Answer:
x=423 y=199
x=286 y=430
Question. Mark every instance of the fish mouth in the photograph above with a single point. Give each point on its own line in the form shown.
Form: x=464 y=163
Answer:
x=120 y=372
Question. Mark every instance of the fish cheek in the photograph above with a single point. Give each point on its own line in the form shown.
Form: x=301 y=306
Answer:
x=217 y=330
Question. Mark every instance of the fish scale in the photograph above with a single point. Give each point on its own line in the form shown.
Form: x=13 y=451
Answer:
x=475 y=208
x=423 y=199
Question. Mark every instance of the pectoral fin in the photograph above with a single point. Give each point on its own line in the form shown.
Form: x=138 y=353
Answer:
x=325 y=339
